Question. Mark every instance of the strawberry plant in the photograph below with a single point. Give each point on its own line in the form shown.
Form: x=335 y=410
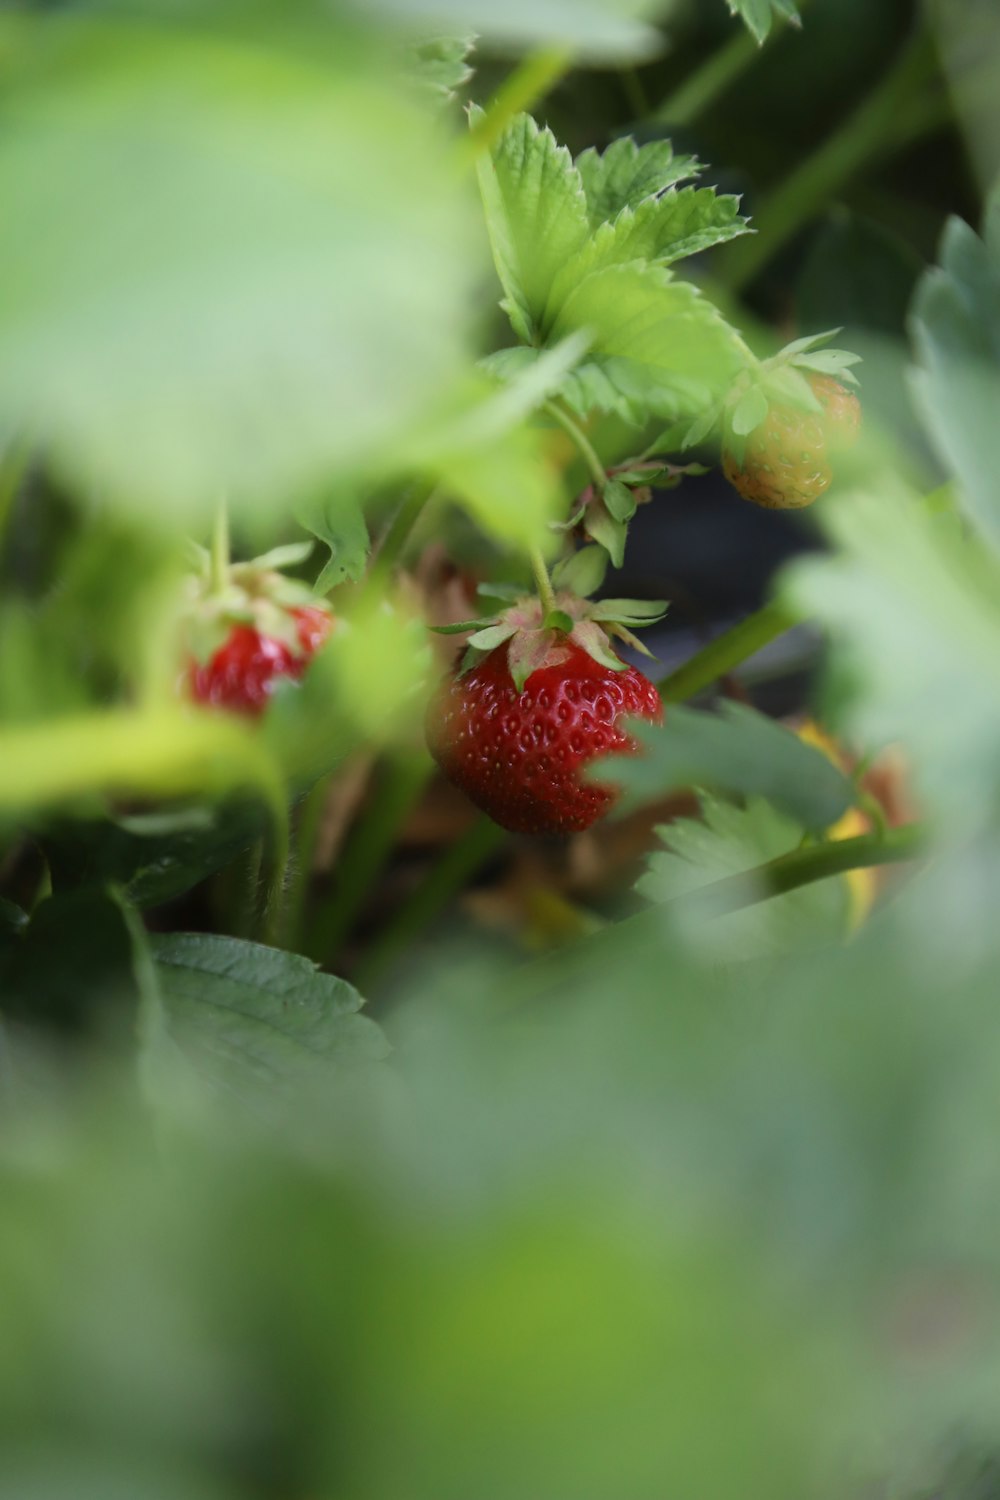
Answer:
x=497 y=961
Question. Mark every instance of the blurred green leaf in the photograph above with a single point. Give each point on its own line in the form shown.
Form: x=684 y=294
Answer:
x=71 y=968
x=155 y=863
x=255 y=1020
x=956 y=329
x=910 y=600
x=600 y=31
x=626 y=175
x=12 y=918
x=536 y=217
x=165 y=752
x=759 y=15
x=730 y=840
x=442 y=64
x=256 y=268
x=736 y=750
x=339 y=522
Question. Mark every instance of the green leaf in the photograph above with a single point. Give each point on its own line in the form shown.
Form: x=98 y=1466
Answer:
x=71 y=969
x=627 y=174
x=629 y=611
x=594 y=641
x=730 y=840
x=741 y=752
x=662 y=349
x=582 y=572
x=558 y=619
x=956 y=328
x=255 y=258
x=607 y=533
x=485 y=452
x=749 y=411
x=536 y=217
x=339 y=522
x=491 y=636
x=12 y=918
x=155 y=860
x=441 y=64
x=619 y=499
x=661 y=230
x=597 y=31
x=256 y=1021
x=909 y=599
x=528 y=650
x=461 y=626
x=758 y=15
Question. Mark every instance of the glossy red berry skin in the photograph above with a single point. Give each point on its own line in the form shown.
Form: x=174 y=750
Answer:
x=242 y=673
x=518 y=755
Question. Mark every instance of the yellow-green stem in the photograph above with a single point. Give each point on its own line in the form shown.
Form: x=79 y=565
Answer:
x=725 y=652
x=581 y=442
x=542 y=580
x=220 y=549
x=536 y=76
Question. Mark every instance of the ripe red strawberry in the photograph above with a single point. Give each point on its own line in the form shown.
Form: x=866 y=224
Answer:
x=785 y=461
x=517 y=754
x=242 y=673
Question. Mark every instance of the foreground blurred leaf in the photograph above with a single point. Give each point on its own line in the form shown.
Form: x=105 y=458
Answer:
x=71 y=968
x=151 y=863
x=910 y=599
x=257 y=261
x=256 y=1019
x=759 y=15
x=957 y=334
x=729 y=840
x=735 y=750
x=661 y=347
x=166 y=752
x=338 y=520
x=597 y=30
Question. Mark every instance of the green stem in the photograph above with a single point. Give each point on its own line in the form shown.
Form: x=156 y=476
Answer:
x=451 y=873
x=870 y=132
x=564 y=970
x=583 y=445
x=220 y=549
x=536 y=76
x=366 y=852
x=804 y=866
x=702 y=87
x=397 y=534
x=725 y=652
x=310 y=819
x=542 y=580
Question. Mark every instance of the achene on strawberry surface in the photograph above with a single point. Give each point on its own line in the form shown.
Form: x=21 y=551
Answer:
x=518 y=755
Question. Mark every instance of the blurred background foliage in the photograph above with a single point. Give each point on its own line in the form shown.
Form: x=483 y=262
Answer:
x=692 y=1202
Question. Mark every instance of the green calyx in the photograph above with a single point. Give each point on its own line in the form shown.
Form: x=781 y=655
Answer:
x=254 y=593
x=782 y=381
x=533 y=633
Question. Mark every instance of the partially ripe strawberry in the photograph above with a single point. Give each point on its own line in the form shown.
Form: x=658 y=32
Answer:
x=518 y=753
x=243 y=672
x=785 y=461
